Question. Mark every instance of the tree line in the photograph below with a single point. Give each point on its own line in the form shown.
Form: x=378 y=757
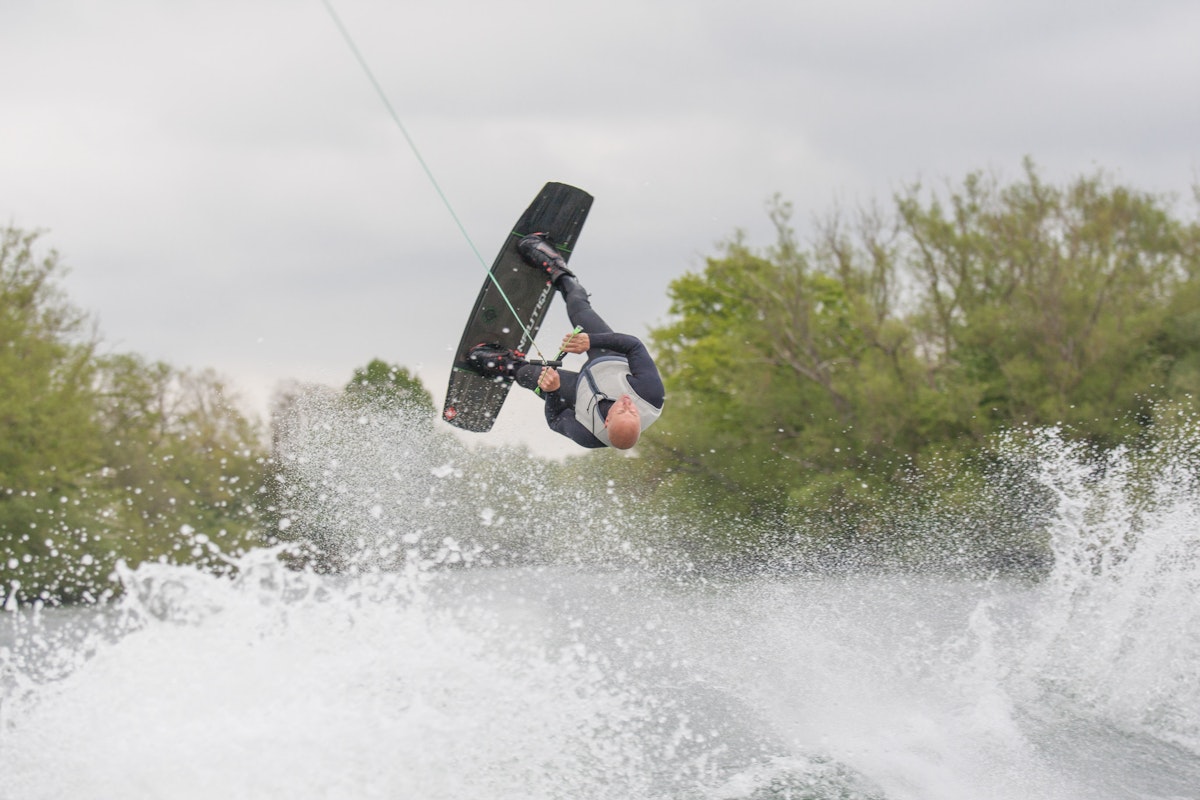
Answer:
x=820 y=394
x=816 y=388
x=106 y=456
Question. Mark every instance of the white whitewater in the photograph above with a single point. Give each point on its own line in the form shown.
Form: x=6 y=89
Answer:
x=570 y=681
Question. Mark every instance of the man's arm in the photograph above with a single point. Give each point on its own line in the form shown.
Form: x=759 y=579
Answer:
x=643 y=373
x=561 y=418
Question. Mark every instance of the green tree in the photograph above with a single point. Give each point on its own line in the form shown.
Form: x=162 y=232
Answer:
x=181 y=462
x=106 y=458
x=768 y=364
x=804 y=381
x=1046 y=301
x=380 y=383
x=49 y=440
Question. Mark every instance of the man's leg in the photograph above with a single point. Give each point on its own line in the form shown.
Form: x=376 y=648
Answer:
x=539 y=252
x=581 y=313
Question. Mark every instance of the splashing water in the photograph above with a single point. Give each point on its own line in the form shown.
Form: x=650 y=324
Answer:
x=1117 y=633
x=564 y=680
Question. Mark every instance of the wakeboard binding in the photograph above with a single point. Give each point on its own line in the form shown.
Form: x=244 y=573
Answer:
x=539 y=252
x=493 y=361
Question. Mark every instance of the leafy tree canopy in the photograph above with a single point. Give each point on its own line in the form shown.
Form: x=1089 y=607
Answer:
x=895 y=344
x=381 y=383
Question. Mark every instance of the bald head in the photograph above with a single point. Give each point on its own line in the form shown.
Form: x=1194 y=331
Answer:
x=625 y=434
x=624 y=423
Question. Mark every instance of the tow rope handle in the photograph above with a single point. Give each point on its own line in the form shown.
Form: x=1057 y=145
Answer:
x=557 y=362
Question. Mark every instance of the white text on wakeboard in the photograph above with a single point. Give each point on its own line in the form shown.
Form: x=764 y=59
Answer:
x=531 y=327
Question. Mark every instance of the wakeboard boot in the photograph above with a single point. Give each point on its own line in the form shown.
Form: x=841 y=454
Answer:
x=539 y=252
x=493 y=361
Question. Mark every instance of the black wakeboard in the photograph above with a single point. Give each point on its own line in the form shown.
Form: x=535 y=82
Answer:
x=474 y=400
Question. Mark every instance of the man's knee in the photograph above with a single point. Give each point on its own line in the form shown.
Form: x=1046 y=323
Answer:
x=528 y=375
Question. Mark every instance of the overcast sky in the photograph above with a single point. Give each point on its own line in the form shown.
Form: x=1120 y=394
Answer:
x=228 y=191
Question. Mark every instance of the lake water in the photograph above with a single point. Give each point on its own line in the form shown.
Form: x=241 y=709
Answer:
x=576 y=682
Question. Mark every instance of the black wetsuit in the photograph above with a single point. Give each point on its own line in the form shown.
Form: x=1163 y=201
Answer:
x=560 y=405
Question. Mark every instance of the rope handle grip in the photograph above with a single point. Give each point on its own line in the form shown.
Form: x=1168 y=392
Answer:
x=557 y=362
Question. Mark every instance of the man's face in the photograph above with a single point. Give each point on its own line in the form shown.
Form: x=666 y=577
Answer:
x=622 y=408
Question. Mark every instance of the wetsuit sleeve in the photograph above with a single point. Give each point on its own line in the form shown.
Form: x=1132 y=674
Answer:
x=561 y=418
x=643 y=373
